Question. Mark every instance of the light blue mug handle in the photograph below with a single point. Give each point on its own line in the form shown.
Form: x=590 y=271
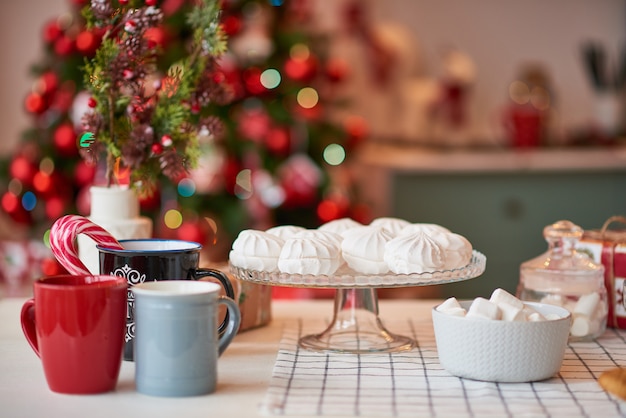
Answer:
x=234 y=320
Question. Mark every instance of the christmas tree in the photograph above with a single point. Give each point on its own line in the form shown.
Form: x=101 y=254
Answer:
x=267 y=153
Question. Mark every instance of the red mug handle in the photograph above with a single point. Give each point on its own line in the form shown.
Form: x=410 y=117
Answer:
x=27 y=318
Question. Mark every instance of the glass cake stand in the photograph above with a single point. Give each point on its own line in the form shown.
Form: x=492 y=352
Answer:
x=356 y=327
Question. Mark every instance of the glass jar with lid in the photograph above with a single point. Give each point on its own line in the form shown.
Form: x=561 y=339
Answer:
x=568 y=278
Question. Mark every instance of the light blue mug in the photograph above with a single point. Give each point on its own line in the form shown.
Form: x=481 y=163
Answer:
x=176 y=341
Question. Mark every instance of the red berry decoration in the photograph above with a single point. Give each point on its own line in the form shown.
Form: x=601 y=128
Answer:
x=166 y=140
x=92 y=103
x=130 y=26
x=151 y=2
x=157 y=149
x=123 y=2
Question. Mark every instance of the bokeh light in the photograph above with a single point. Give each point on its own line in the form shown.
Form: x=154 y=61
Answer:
x=334 y=154
x=186 y=187
x=29 y=201
x=243 y=184
x=173 y=219
x=299 y=52
x=15 y=187
x=46 y=238
x=519 y=92
x=46 y=165
x=270 y=78
x=307 y=97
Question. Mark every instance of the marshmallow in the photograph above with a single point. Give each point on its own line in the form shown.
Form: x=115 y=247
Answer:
x=481 y=308
x=451 y=306
x=581 y=326
x=537 y=317
x=553 y=299
x=511 y=312
x=502 y=296
x=587 y=304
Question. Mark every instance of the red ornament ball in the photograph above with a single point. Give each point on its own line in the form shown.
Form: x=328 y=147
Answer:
x=48 y=83
x=252 y=80
x=23 y=169
x=35 y=103
x=64 y=139
x=337 y=70
x=92 y=103
x=231 y=25
x=87 y=42
x=151 y=2
x=84 y=173
x=52 y=31
x=42 y=182
x=156 y=36
x=64 y=46
x=301 y=69
x=191 y=231
x=10 y=203
x=277 y=141
x=55 y=207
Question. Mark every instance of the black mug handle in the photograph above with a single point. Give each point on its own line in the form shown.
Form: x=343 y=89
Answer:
x=226 y=284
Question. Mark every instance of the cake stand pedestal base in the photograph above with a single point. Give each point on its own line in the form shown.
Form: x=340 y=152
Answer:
x=356 y=327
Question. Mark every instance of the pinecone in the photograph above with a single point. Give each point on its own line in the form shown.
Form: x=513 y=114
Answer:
x=102 y=9
x=134 y=151
x=213 y=125
x=172 y=164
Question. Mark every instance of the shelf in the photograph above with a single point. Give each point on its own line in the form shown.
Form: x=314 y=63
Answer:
x=440 y=161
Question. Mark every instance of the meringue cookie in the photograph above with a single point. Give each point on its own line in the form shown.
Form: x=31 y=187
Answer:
x=285 y=231
x=256 y=250
x=363 y=249
x=330 y=237
x=414 y=253
x=457 y=248
x=393 y=225
x=308 y=256
x=339 y=226
x=423 y=227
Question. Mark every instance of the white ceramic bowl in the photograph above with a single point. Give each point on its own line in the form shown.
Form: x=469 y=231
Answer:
x=499 y=351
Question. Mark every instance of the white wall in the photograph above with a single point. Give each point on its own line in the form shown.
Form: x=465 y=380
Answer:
x=502 y=35
x=21 y=25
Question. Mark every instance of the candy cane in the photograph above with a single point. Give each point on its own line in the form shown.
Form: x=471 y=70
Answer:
x=63 y=240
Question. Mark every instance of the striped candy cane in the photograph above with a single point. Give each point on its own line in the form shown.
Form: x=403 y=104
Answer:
x=63 y=240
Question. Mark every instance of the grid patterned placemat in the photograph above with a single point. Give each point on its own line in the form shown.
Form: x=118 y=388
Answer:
x=413 y=383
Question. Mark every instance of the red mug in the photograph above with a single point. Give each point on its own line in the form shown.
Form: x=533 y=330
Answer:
x=76 y=325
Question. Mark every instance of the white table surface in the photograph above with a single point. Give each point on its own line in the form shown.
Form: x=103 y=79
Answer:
x=244 y=371
x=245 y=375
